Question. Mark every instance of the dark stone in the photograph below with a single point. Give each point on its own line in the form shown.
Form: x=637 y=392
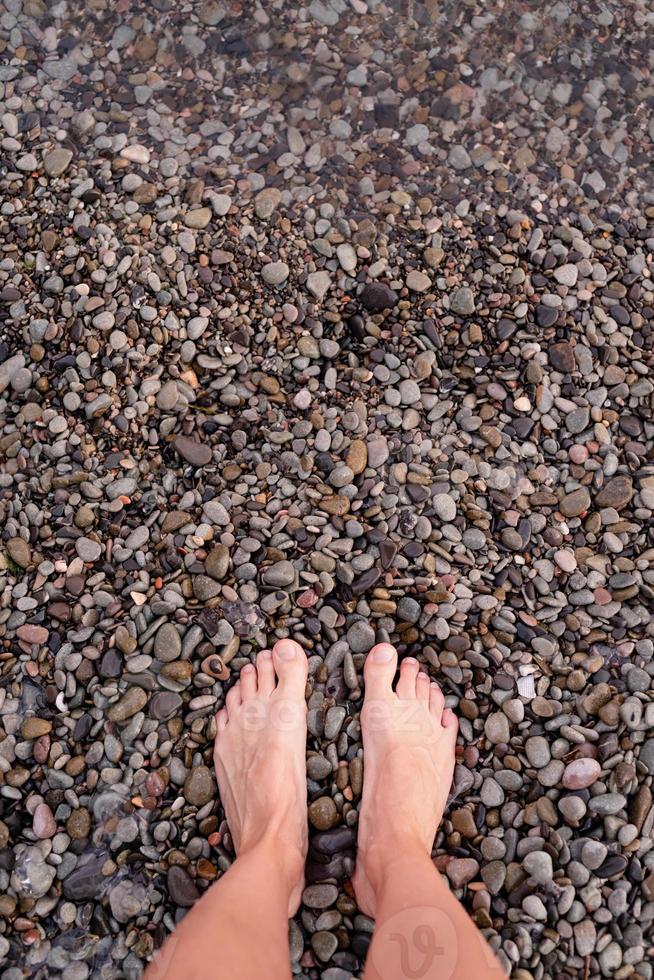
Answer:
x=366 y=581
x=546 y=316
x=164 y=705
x=195 y=453
x=181 y=887
x=334 y=841
x=86 y=882
x=378 y=296
x=615 y=864
x=562 y=357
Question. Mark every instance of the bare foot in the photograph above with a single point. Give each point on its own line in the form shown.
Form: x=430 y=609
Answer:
x=260 y=758
x=408 y=740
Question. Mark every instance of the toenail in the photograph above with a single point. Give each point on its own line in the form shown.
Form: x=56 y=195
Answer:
x=266 y=654
x=382 y=654
x=285 y=649
x=248 y=668
x=410 y=660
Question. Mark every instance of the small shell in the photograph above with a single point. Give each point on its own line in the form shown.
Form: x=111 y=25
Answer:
x=526 y=688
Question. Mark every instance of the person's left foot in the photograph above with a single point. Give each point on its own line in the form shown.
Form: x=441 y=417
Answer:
x=260 y=758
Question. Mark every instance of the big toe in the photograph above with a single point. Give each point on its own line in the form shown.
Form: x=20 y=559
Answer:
x=291 y=668
x=379 y=670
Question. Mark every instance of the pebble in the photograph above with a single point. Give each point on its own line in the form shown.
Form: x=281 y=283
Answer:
x=323 y=813
x=196 y=453
x=318 y=284
x=133 y=700
x=617 y=493
x=181 y=887
x=88 y=549
x=462 y=301
x=575 y=503
x=167 y=643
x=281 y=575
x=266 y=202
x=496 y=728
x=199 y=786
x=378 y=296
x=418 y=282
x=581 y=773
x=360 y=636
x=44 y=824
x=275 y=273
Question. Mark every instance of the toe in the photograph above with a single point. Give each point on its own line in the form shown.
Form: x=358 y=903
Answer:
x=450 y=722
x=233 y=699
x=436 y=700
x=248 y=679
x=379 y=671
x=406 y=686
x=422 y=687
x=221 y=720
x=291 y=668
x=265 y=673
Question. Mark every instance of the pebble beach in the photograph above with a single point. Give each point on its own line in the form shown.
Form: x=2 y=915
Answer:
x=332 y=322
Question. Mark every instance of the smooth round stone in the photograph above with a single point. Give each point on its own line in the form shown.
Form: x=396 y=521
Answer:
x=593 y=853
x=378 y=296
x=573 y=809
x=491 y=793
x=445 y=507
x=360 y=636
x=319 y=896
x=409 y=392
x=462 y=870
x=195 y=453
x=19 y=551
x=165 y=705
x=274 y=273
x=266 y=201
x=639 y=680
x=181 y=887
x=575 y=503
x=132 y=701
x=566 y=561
x=323 y=813
x=474 y=539
x=537 y=750
x=538 y=865
x=581 y=773
x=167 y=643
x=281 y=575
x=462 y=301
x=199 y=786
x=216 y=564
x=607 y=804
x=496 y=728
x=417 y=281
x=408 y=610
x=87 y=549
x=43 y=822
x=324 y=945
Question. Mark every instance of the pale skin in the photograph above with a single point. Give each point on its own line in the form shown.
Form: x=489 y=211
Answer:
x=421 y=930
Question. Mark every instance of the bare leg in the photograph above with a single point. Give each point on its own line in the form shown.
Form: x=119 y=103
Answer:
x=421 y=929
x=239 y=928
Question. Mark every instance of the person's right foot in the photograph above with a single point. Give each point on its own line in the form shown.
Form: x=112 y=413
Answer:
x=260 y=758
x=408 y=739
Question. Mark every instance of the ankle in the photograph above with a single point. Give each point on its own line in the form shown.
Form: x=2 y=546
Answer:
x=285 y=859
x=383 y=857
